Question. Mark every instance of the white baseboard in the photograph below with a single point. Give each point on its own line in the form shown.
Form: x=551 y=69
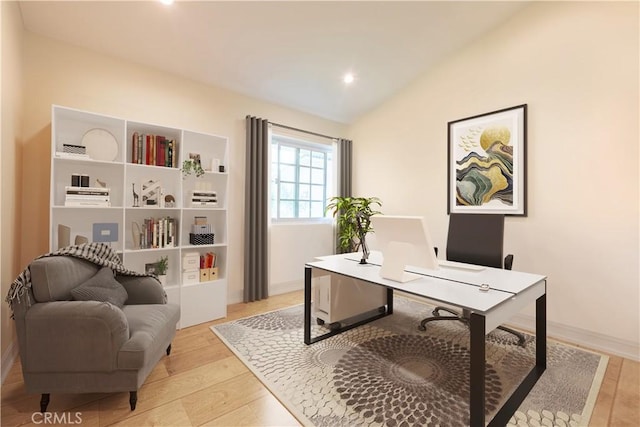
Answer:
x=284 y=287
x=8 y=358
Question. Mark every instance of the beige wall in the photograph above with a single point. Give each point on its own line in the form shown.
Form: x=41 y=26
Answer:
x=576 y=66
x=10 y=155
x=57 y=73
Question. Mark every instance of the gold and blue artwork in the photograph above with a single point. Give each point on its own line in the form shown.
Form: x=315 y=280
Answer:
x=485 y=173
x=487 y=164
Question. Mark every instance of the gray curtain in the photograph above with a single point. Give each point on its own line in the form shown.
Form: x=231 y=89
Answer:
x=256 y=249
x=344 y=168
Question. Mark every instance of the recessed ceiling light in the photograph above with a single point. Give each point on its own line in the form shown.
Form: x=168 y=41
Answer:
x=348 y=78
x=167 y=2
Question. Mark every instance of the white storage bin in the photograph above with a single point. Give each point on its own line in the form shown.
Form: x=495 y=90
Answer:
x=190 y=276
x=191 y=261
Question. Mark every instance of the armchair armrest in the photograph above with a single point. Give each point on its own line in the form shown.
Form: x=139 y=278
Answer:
x=143 y=290
x=74 y=336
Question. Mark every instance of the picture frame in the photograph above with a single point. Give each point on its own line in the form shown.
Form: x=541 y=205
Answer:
x=151 y=268
x=486 y=172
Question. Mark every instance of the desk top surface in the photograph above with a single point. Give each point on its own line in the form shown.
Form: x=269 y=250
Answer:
x=448 y=285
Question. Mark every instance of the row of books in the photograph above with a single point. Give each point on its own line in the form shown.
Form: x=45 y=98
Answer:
x=87 y=196
x=154 y=150
x=159 y=233
x=208 y=260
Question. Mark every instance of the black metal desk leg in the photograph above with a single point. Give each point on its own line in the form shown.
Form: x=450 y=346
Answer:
x=476 y=377
x=389 y=301
x=307 y=305
x=541 y=332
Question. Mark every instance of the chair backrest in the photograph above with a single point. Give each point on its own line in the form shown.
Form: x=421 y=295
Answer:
x=476 y=239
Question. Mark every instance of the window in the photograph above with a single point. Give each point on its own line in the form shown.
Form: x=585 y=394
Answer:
x=301 y=178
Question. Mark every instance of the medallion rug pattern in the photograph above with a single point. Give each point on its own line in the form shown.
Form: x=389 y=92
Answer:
x=387 y=373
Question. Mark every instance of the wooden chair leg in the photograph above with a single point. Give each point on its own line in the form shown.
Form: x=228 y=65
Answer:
x=133 y=399
x=169 y=350
x=44 y=402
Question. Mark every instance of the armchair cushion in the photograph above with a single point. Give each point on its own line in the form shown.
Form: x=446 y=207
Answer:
x=53 y=277
x=143 y=290
x=101 y=287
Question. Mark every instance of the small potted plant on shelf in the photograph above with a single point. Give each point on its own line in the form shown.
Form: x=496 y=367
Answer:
x=161 y=269
x=190 y=166
x=354 y=222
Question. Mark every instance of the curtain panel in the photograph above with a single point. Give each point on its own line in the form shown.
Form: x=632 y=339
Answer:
x=344 y=167
x=256 y=249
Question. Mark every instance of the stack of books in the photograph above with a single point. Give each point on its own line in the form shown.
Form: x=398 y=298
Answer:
x=204 y=199
x=87 y=196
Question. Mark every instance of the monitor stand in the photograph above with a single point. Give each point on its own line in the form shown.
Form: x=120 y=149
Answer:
x=396 y=255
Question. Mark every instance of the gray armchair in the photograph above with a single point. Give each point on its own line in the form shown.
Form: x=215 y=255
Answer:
x=88 y=346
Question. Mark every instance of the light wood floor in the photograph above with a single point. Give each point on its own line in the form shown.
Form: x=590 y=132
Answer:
x=203 y=384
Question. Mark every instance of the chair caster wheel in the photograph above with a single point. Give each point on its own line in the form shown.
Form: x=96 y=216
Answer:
x=422 y=328
x=436 y=313
x=319 y=321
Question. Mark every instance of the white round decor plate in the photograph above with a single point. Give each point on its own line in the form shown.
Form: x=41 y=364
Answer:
x=101 y=144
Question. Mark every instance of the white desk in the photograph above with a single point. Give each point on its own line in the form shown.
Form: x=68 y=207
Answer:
x=510 y=291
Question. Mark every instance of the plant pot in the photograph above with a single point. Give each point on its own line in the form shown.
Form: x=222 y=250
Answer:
x=163 y=279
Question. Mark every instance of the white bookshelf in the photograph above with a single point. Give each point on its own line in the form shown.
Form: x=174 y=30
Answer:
x=112 y=164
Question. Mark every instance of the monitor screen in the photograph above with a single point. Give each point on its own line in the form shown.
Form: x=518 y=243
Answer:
x=403 y=240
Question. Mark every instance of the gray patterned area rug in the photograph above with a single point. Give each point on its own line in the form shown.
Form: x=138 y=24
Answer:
x=387 y=373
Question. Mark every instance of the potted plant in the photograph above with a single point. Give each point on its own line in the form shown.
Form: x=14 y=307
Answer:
x=354 y=222
x=190 y=166
x=161 y=269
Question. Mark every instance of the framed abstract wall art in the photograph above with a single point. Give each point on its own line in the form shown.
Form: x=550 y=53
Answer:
x=487 y=163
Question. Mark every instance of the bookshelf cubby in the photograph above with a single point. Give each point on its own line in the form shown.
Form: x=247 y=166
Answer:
x=110 y=161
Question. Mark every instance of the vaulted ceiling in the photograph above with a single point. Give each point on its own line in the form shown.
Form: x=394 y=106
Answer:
x=292 y=53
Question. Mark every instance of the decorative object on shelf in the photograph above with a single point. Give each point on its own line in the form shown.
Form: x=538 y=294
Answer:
x=136 y=234
x=201 y=232
x=190 y=166
x=79 y=180
x=101 y=183
x=161 y=269
x=221 y=168
x=74 y=149
x=64 y=236
x=136 y=198
x=354 y=222
x=487 y=164
x=79 y=240
x=105 y=232
x=215 y=165
x=100 y=144
x=169 y=201
x=151 y=193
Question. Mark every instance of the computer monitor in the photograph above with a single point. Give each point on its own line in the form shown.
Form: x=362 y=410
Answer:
x=403 y=240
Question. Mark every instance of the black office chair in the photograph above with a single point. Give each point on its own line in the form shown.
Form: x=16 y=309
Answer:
x=475 y=239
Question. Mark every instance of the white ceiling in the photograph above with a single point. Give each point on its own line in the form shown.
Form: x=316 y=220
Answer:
x=289 y=53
